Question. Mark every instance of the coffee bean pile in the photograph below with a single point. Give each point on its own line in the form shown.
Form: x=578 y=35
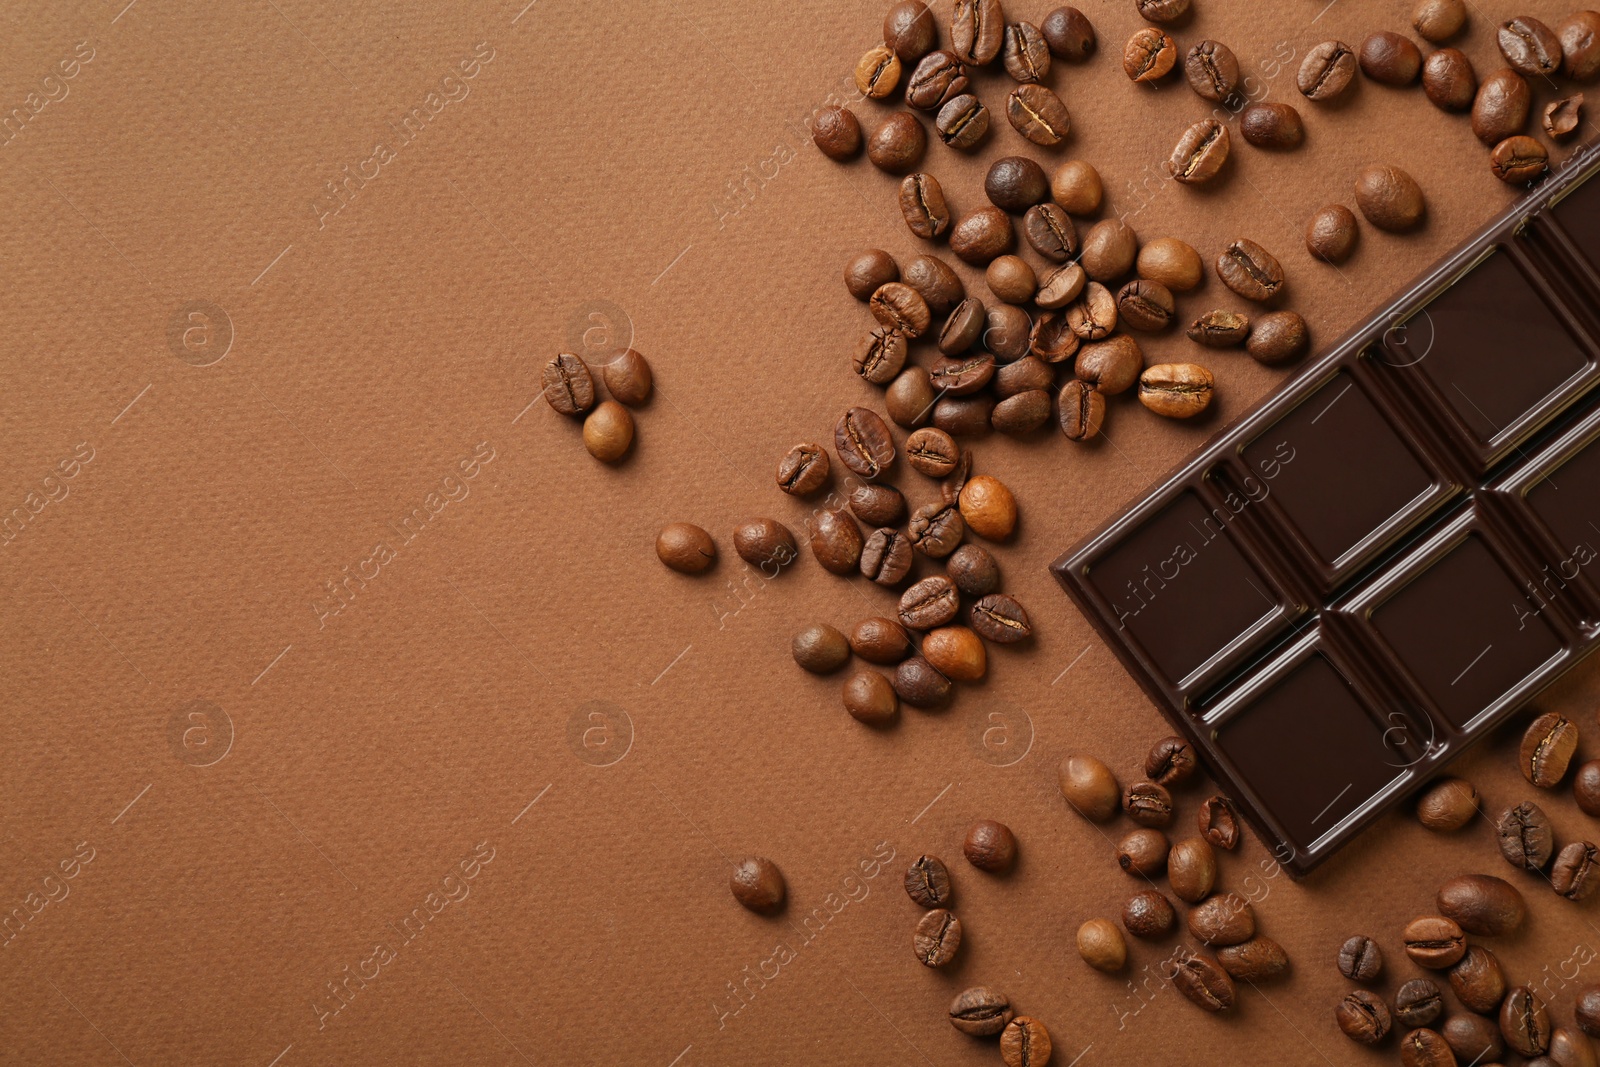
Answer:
x=569 y=387
x=1526 y=834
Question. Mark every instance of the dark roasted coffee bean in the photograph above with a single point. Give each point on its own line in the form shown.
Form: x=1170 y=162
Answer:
x=1025 y=1043
x=758 y=885
x=568 y=386
x=1586 y=1010
x=1049 y=231
x=1562 y=117
x=932 y=452
x=1530 y=46
x=1389 y=197
x=1023 y=413
x=1449 y=80
x=1025 y=375
x=1200 y=153
x=1586 y=787
x=867 y=270
x=1425 y=1048
x=962 y=121
x=982 y=235
x=939 y=285
x=1162 y=10
x=1548 y=745
x=1060 y=286
x=1176 y=390
x=973 y=570
x=936 y=529
x=963 y=328
x=879 y=640
x=1519 y=159
x=939 y=77
x=820 y=649
x=1478 y=980
x=930 y=603
x=836 y=541
x=1331 y=234
x=1525 y=837
x=936 y=938
x=1015 y=183
x=1143 y=852
x=878 y=505
x=1448 y=805
x=1204 y=982
x=1149 y=55
x=999 y=618
x=1112 y=365
x=899 y=307
x=1363 y=1017
x=1250 y=270
x=977 y=31
x=880 y=355
x=1418 y=1002
x=1525 y=1022
x=1218 y=824
x=1327 y=71
x=923 y=205
x=1260 y=959
x=1360 y=959
x=1094 y=316
x=1482 y=904
x=886 y=557
x=963 y=375
x=909 y=29
x=803 y=470
x=1439 y=20
x=1038 y=114
x=1148 y=914
x=1145 y=305
x=990 y=846
x=1007 y=333
x=1573 y=874
x=918 y=684
x=1192 y=870
x=1220 y=329
x=1276 y=126
x=1434 y=942
x=870 y=699
x=1579 y=34
x=899 y=144
x=837 y=133
x=964 y=416
x=1148 y=804
x=1212 y=71
x=1224 y=919
x=1170 y=762
x=766 y=544
x=1025 y=54
x=979 y=1011
x=1500 y=107
x=685 y=547
x=1277 y=336
x=1053 y=339
x=1069 y=34
x=1390 y=59
x=1472 y=1040
x=1081 y=410
x=863 y=442
x=878 y=73
x=1569 y=1048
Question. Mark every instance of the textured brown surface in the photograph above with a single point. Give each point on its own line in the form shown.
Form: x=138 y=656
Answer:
x=649 y=168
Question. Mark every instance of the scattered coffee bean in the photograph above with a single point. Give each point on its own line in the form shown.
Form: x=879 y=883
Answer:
x=1039 y=115
x=820 y=649
x=1023 y=413
x=1360 y=959
x=1275 y=126
x=977 y=31
x=1579 y=34
x=1110 y=249
x=901 y=308
x=1176 y=390
x=1439 y=20
x=1482 y=904
x=1111 y=366
x=979 y=1011
x=1418 y=1002
x=1277 y=336
x=1077 y=187
x=868 y=270
x=863 y=442
x=1081 y=409
x=758 y=885
x=1092 y=790
x=1547 y=749
x=1525 y=1022
x=1143 y=852
x=909 y=29
x=988 y=508
x=1562 y=117
x=608 y=431
x=1025 y=1043
x=1054 y=338
x=568 y=386
x=932 y=452
x=939 y=285
x=1389 y=197
x=1448 y=805
x=964 y=416
x=878 y=505
x=1569 y=1048
x=1327 y=71
x=1224 y=919
x=938 y=78
x=936 y=938
x=878 y=73
x=837 y=133
x=1586 y=787
x=685 y=547
x=960 y=377
x=1218 y=824
x=1163 y=10
x=870 y=699
x=1024 y=53
x=880 y=355
x=1094 y=315
x=1015 y=183
x=1525 y=836
x=1148 y=914
x=962 y=122
x=1204 y=982
x=1200 y=153
x=1148 y=804
x=1212 y=71
x=922 y=203
x=1390 y=59
x=1049 y=231
x=881 y=641
x=982 y=235
x=963 y=328
x=836 y=541
x=1103 y=947
x=1364 y=1017
x=1011 y=279
x=973 y=570
x=1426 y=1048
x=803 y=470
x=956 y=652
x=1192 y=870
x=766 y=544
x=1172 y=263
x=927 y=882
x=1259 y=959
x=1434 y=942
x=1331 y=234
x=918 y=684
x=930 y=603
x=1500 y=107
x=1250 y=270
x=1006 y=332
x=1149 y=55
x=629 y=378
x=1170 y=762
x=1586 y=1010
x=899 y=144
x=1530 y=46
x=1519 y=159
x=1220 y=329
x=1001 y=619
x=1573 y=874
x=1145 y=305
x=936 y=529
x=1449 y=80
x=1069 y=34
x=1478 y=980
x=990 y=846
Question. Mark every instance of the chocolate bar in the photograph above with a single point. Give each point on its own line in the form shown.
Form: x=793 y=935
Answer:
x=1391 y=554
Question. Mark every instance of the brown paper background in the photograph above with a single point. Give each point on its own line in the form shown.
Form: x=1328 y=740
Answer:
x=646 y=164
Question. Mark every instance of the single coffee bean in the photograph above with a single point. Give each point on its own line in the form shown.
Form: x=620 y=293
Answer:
x=863 y=442
x=1573 y=874
x=1331 y=234
x=973 y=570
x=1192 y=870
x=1586 y=787
x=1212 y=71
x=878 y=73
x=1478 y=980
x=1145 y=305
x=1000 y=619
x=979 y=1011
x=629 y=378
x=909 y=29
x=1023 y=413
x=1569 y=1048
x=1562 y=117
x=880 y=355
x=1434 y=942
x=1500 y=107
x=1525 y=1022
x=1054 y=338
x=1426 y=1048
x=1039 y=115
x=1049 y=231
x=1069 y=34
x=1200 y=153
x=1525 y=836
x=1148 y=914
x=936 y=938
x=1586 y=1010
x=982 y=235
x=1439 y=20
x=886 y=557
x=1081 y=410
x=1163 y=10
x=837 y=133
x=1094 y=315
x=868 y=270
x=1276 y=126
x=928 y=883
x=878 y=505
x=1482 y=904
x=1025 y=1043
x=932 y=452
x=938 y=78
x=1090 y=787
x=881 y=641
x=1149 y=55
x=1327 y=71
x=936 y=529
x=964 y=416
x=919 y=685
x=568 y=386
x=962 y=122
x=803 y=470
x=1218 y=824
x=1390 y=59
x=1224 y=919
x=988 y=508
x=1389 y=198
x=765 y=544
x=820 y=649
x=1143 y=852
x=1448 y=805
x=1172 y=263
x=956 y=652
x=1060 y=286
x=758 y=885
x=1449 y=80
x=1250 y=270
x=1548 y=745
x=1176 y=390
x=900 y=307
x=1220 y=329
x=1277 y=336
x=1024 y=53
x=1170 y=762
x=962 y=376
x=1006 y=332
x=938 y=284
x=836 y=541
x=1102 y=945
x=977 y=31
x=1360 y=959
x=685 y=548
x=1011 y=279
x=1418 y=1003
x=1363 y=1016
x=1530 y=46
x=1579 y=34
x=923 y=205
x=1259 y=959
x=1077 y=187
x=870 y=699
x=899 y=144
x=1148 y=804
x=1519 y=159
x=930 y=603
x=963 y=328
x=1110 y=249
x=1204 y=982
x=990 y=846
x=1015 y=183
x=608 y=432
x=1111 y=366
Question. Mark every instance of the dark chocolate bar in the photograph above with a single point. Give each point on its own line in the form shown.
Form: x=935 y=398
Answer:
x=1394 y=552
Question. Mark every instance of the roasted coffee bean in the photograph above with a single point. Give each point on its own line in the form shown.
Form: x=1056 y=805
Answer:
x=961 y=376
x=1148 y=804
x=1530 y=46
x=836 y=541
x=1220 y=329
x=938 y=78
x=1148 y=914
x=1112 y=365
x=1069 y=34
x=923 y=205
x=956 y=652
x=1579 y=34
x=1525 y=1022
x=1143 y=852
x=1224 y=919
x=909 y=29
x=878 y=505
x=1204 y=982
x=1006 y=333
x=1176 y=390
x=1149 y=55
x=964 y=416
x=982 y=235
x=1390 y=59
x=1586 y=787
x=1192 y=871
x=936 y=529
x=963 y=328
x=1500 y=107
x=1053 y=339
x=938 y=284
x=1000 y=619
x=886 y=557
x=962 y=122
x=1200 y=153
x=1449 y=80
x=1011 y=279
x=878 y=73
x=899 y=144
x=1027 y=375
x=868 y=270
x=863 y=442
x=1331 y=234
x=568 y=386
x=1439 y=20
x=1364 y=1017
x=837 y=133
x=608 y=432
x=1015 y=183
x=1586 y=1010
x=1389 y=197
x=1145 y=305
x=1025 y=54
x=973 y=570
x=820 y=649
x=1025 y=1043
x=1569 y=1048
x=870 y=699
x=1448 y=805
x=1482 y=904
x=1110 y=249
x=1163 y=10
x=1170 y=262
x=936 y=938
x=629 y=378
x=1478 y=980
x=1212 y=71
x=881 y=641
x=1102 y=946
x=1434 y=942
x=918 y=684
x=900 y=307
x=1260 y=959
x=1277 y=336
x=1548 y=745
x=1562 y=117
x=1418 y=1002
x=1023 y=413
x=990 y=846
x=1250 y=270
x=930 y=603
x=1360 y=959
x=977 y=31
x=1060 y=286
x=1170 y=762
x=1276 y=126
x=1081 y=410
x=1090 y=787
x=1038 y=114
x=1519 y=159
x=988 y=508
x=1573 y=874
x=1094 y=315
x=1471 y=1039
x=758 y=885
x=1077 y=187
x=1327 y=71
x=1525 y=836
x=880 y=355
x=1049 y=231
x=803 y=470
x=766 y=544
x=932 y=452
x=685 y=548
x=979 y=1011
x=1425 y=1048
x=1218 y=823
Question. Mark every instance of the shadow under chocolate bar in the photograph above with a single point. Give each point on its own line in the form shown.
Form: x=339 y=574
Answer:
x=1391 y=554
